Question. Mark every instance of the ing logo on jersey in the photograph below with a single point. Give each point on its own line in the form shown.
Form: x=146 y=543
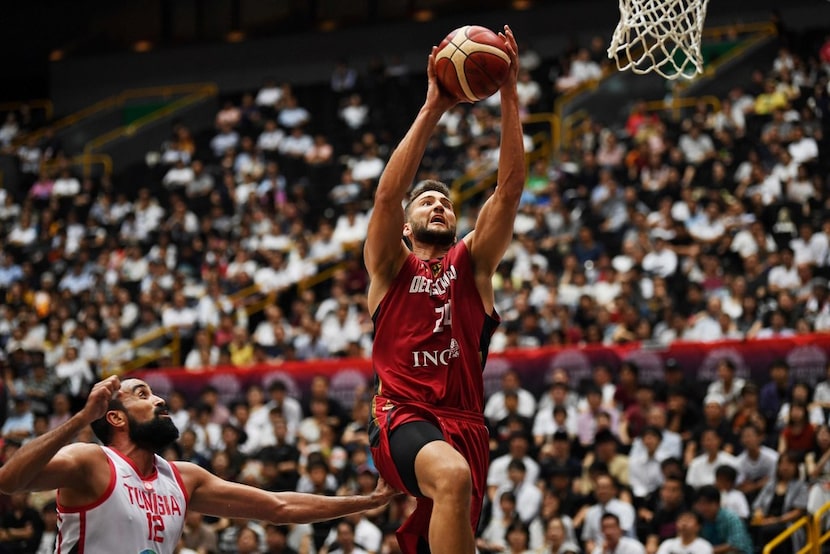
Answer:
x=423 y=358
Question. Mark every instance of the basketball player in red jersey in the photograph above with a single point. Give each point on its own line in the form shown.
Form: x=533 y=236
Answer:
x=433 y=308
x=123 y=497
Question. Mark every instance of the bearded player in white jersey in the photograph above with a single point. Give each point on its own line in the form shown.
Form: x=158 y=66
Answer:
x=123 y=497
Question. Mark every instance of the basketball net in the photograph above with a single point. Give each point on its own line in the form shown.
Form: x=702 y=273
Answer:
x=662 y=36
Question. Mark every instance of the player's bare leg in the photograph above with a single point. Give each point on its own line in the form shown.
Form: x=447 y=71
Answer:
x=444 y=476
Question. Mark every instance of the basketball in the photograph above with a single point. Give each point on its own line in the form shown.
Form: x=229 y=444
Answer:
x=472 y=63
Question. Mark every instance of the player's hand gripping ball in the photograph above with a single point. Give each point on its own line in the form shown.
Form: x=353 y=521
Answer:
x=472 y=63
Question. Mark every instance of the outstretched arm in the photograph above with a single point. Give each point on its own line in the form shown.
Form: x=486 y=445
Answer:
x=384 y=251
x=212 y=495
x=494 y=227
x=47 y=462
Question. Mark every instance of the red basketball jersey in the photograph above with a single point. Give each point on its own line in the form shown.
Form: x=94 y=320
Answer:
x=432 y=334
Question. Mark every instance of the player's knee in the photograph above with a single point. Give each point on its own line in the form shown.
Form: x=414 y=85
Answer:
x=453 y=480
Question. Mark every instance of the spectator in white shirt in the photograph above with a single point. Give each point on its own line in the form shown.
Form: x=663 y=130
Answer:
x=731 y=498
x=528 y=495
x=613 y=541
x=269 y=95
x=697 y=146
x=494 y=409
x=607 y=502
x=728 y=385
x=66 y=185
x=518 y=448
x=688 y=540
x=802 y=148
x=784 y=276
x=702 y=468
x=644 y=469
x=226 y=139
x=661 y=261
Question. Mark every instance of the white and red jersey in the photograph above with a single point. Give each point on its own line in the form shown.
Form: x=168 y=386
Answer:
x=135 y=515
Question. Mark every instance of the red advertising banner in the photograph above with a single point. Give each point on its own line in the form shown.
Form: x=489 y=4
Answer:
x=807 y=356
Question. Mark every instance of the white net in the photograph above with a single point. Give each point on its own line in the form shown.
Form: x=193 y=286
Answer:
x=662 y=36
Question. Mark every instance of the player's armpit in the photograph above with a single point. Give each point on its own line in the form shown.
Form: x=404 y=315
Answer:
x=73 y=468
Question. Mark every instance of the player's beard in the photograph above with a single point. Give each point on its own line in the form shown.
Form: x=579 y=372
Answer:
x=154 y=434
x=425 y=235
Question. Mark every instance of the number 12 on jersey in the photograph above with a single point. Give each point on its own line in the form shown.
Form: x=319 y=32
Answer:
x=444 y=317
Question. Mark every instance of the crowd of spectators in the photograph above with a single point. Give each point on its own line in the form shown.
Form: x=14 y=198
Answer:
x=650 y=229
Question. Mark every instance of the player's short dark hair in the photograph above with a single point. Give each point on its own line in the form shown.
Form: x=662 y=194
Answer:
x=424 y=186
x=101 y=427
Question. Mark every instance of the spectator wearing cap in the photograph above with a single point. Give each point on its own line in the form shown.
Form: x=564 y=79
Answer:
x=728 y=385
x=724 y=530
x=702 y=468
x=607 y=502
x=518 y=449
x=20 y=423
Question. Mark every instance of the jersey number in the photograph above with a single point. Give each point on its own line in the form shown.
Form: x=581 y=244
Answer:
x=444 y=317
x=155 y=528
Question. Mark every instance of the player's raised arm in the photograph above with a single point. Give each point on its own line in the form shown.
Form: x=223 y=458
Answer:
x=384 y=250
x=47 y=462
x=494 y=227
x=208 y=494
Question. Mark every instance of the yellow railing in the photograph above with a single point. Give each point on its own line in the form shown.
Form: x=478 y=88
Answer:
x=820 y=536
x=202 y=92
x=678 y=103
x=469 y=185
x=37 y=104
x=86 y=162
x=122 y=98
x=760 y=30
x=806 y=523
x=111 y=365
x=757 y=31
x=563 y=100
